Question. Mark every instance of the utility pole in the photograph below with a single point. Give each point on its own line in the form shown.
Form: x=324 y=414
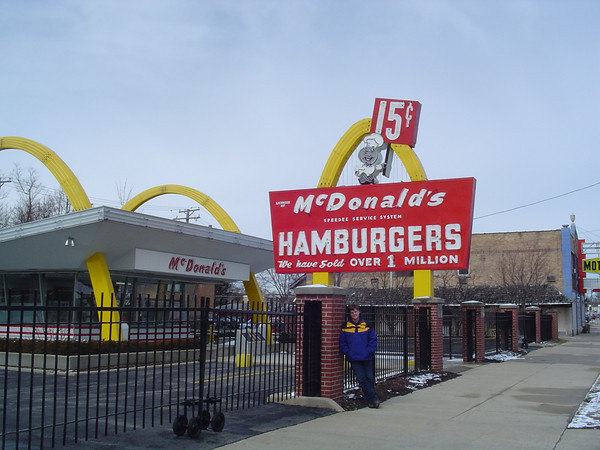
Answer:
x=188 y=214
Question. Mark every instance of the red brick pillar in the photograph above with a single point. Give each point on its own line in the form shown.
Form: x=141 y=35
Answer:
x=514 y=310
x=333 y=310
x=467 y=306
x=554 y=315
x=538 y=321
x=436 y=322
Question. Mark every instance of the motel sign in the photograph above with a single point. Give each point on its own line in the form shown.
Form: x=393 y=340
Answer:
x=591 y=265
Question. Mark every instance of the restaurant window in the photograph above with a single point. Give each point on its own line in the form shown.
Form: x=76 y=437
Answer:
x=58 y=289
x=85 y=310
x=20 y=290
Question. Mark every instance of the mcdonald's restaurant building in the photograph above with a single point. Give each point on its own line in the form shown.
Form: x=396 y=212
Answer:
x=47 y=262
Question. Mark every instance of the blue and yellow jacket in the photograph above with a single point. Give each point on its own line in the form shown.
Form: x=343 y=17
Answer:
x=358 y=342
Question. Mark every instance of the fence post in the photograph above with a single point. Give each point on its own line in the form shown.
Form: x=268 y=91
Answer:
x=514 y=312
x=333 y=310
x=436 y=323
x=479 y=312
x=537 y=312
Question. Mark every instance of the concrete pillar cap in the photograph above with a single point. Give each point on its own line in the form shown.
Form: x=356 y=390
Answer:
x=508 y=306
x=320 y=289
x=427 y=300
x=471 y=303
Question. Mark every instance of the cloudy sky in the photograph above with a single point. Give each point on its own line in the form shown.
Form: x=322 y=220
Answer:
x=239 y=98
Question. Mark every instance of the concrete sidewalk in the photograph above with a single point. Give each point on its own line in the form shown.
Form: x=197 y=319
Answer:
x=523 y=403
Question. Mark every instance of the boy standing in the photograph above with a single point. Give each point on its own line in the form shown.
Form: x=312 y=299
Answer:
x=358 y=342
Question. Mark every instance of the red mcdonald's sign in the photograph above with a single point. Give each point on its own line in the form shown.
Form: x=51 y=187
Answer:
x=378 y=227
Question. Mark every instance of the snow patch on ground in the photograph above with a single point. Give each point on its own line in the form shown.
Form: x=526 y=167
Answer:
x=588 y=414
x=503 y=356
x=417 y=381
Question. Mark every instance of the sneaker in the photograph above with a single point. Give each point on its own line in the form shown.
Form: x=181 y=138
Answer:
x=374 y=405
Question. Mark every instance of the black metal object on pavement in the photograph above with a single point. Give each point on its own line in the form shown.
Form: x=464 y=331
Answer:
x=202 y=418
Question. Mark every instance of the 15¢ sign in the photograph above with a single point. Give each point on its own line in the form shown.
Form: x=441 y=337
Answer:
x=396 y=121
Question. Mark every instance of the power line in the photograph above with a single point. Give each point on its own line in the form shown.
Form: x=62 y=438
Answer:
x=592 y=234
x=538 y=202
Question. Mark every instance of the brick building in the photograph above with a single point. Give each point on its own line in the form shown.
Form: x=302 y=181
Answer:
x=548 y=258
x=528 y=256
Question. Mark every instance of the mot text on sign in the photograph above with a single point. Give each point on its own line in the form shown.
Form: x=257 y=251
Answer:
x=378 y=227
x=397 y=121
x=591 y=265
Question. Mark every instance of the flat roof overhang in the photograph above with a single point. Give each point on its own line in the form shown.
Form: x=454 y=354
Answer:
x=40 y=245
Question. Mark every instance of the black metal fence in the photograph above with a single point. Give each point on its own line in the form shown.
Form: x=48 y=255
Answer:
x=452 y=334
x=395 y=328
x=498 y=331
x=546 y=327
x=527 y=327
x=59 y=383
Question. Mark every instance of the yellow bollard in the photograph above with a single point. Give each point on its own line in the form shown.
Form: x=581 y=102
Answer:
x=243 y=360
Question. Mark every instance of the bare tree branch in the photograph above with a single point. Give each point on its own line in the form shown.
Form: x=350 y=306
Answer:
x=277 y=285
x=32 y=204
x=124 y=192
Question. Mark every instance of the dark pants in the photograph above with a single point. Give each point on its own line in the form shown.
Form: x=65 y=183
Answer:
x=364 y=371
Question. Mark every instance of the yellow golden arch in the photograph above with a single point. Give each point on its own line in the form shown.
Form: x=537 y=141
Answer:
x=423 y=279
x=110 y=327
x=96 y=264
x=253 y=292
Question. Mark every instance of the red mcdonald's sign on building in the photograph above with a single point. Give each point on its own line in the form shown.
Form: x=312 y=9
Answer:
x=377 y=227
